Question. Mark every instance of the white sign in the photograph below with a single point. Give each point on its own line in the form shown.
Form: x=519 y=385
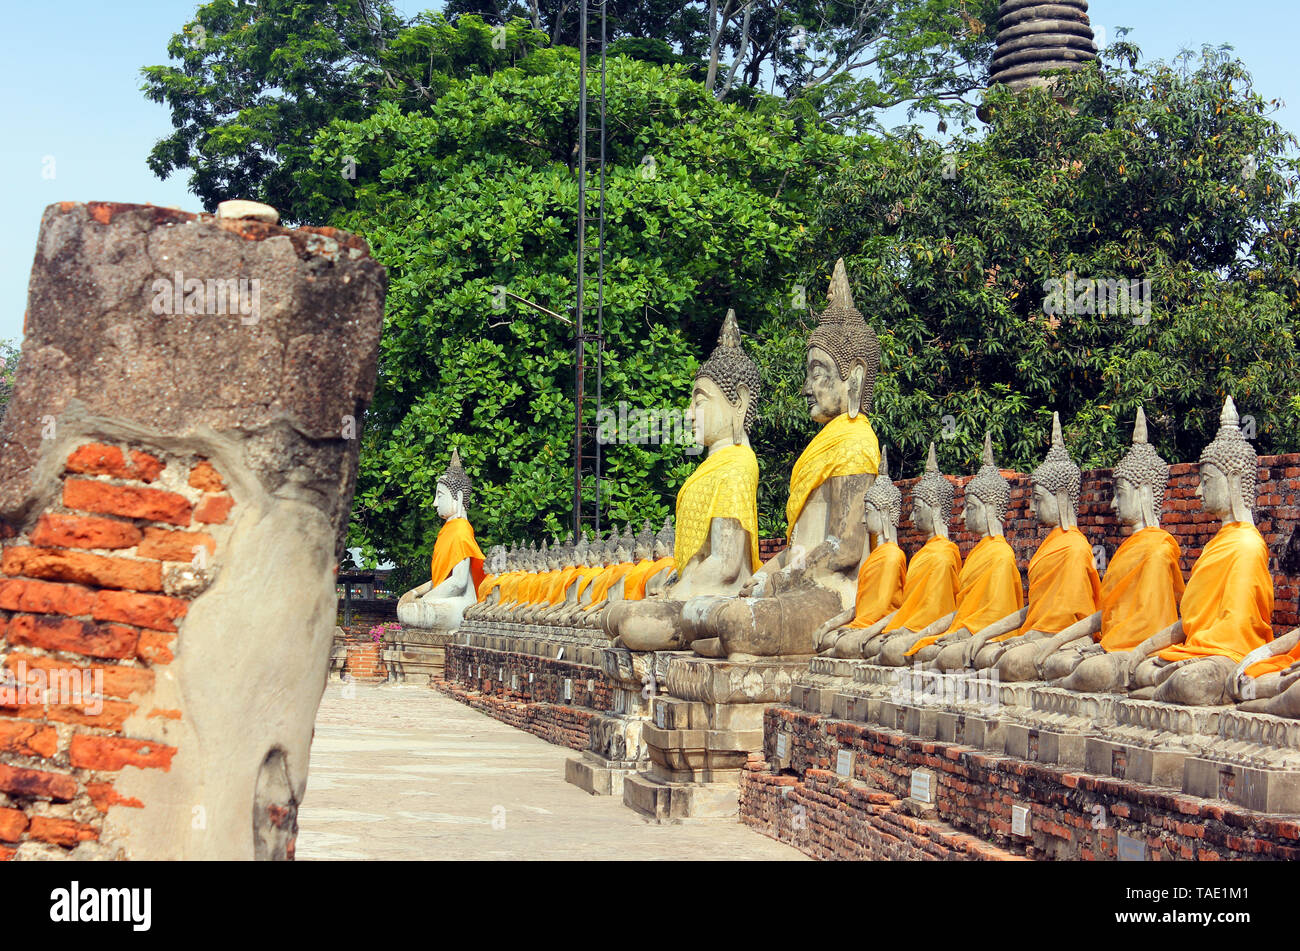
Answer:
x=1130 y=849
x=530 y=676
x=1020 y=820
x=844 y=763
x=514 y=681
x=922 y=785
x=568 y=688
x=661 y=720
x=782 y=745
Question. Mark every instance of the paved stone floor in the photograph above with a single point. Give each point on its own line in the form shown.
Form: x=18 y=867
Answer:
x=402 y=772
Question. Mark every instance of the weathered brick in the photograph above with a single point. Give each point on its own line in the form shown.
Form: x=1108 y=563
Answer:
x=143 y=610
x=173 y=544
x=13 y=823
x=37 y=784
x=156 y=647
x=214 y=509
x=147 y=467
x=117 y=681
x=77 y=637
x=110 y=753
x=82 y=567
x=154 y=505
x=113 y=714
x=28 y=739
x=104 y=795
x=98 y=459
x=205 y=476
x=63 y=832
x=84 y=531
x=44 y=597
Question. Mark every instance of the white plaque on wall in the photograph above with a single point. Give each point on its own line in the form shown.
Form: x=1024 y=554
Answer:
x=782 y=745
x=568 y=688
x=1129 y=848
x=844 y=764
x=922 y=785
x=1020 y=820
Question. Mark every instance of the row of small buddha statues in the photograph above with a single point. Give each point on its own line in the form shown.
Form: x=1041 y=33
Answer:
x=843 y=587
x=573 y=585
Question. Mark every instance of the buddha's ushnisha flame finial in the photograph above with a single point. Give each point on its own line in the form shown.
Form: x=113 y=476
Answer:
x=455 y=478
x=883 y=494
x=1142 y=465
x=842 y=333
x=1058 y=473
x=1231 y=453
x=989 y=485
x=933 y=489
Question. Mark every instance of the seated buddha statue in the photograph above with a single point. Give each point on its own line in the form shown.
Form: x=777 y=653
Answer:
x=1063 y=582
x=780 y=607
x=1227 y=606
x=1139 y=592
x=880 y=579
x=989 y=589
x=563 y=593
x=1266 y=678
x=456 y=567
x=930 y=594
x=551 y=592
x=600 y=555
x=664 y=575
x=514 y=592
x=501 y=567
x=716 y=540
x=606 y=588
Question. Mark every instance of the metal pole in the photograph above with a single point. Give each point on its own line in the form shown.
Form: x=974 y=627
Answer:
x=600 y=265
x=582 y=237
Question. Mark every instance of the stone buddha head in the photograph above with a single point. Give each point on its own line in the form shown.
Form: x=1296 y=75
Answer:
x=665 y=540
x=988 y=496
x=643 y=545
x=1056 y=484
x=582 y=553
x=623 y=550
x=496 y=560
x=453 y=490
x=882 y=506
x=607 y=548
x=932 y=499
x=1140 y=481
x=568 y=557
x=843 y=356
x=725 y=396
x=1226 y=485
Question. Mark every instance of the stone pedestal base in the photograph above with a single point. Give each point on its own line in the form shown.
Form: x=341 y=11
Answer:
x=701 y=735
x=414 y=656
x=593 y=773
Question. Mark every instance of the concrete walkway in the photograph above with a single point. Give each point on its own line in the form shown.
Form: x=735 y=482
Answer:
x=402 y=772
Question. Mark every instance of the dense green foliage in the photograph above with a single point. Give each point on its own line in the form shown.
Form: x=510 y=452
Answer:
x=705 y=204
x=1173 y=174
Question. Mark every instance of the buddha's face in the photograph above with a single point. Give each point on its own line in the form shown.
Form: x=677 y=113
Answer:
x=826 y=393
x=1213 y=490
x=621 y=555
x=975 y=514
x=444 y=502
x=662 y=549
x=1127 y=501
x=873 y=519
x=1046 y=509
x=712 y=416
x=923 y=516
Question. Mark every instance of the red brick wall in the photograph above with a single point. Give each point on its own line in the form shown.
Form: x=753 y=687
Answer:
x=538 y=707
x=1071 y=815
x=1277 y=511
x=83 y=588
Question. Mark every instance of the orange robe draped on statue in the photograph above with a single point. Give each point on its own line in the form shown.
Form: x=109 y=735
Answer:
x=1063 y=584
x=988 y=589
x=585 y=575
x=454 y=544
x=931 y=588
x=1141 y=590
x=634 y=586
x=1228 y=605
x=600 y=587
x=486 y=585
x=880 y=585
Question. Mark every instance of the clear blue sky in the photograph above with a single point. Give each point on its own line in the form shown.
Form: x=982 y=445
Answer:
x=69 y=81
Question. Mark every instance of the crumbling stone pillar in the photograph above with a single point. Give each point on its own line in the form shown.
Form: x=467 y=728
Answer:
x=176 y=471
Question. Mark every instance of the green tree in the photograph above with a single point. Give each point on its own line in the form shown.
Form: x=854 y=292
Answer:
x=706 y=201
x=1175 y=174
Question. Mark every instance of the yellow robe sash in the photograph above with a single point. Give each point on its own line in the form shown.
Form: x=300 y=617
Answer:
x=454 y=544
x=1063 y=584
x=559 y=584
x=880 y=584
x=1228 y=605
x=486 y=585
x=843 y=447
x=585 y=575
x=1141 y=589
x=634 y=586
x=931 y=589
x=724 y=485
x=988 y=589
